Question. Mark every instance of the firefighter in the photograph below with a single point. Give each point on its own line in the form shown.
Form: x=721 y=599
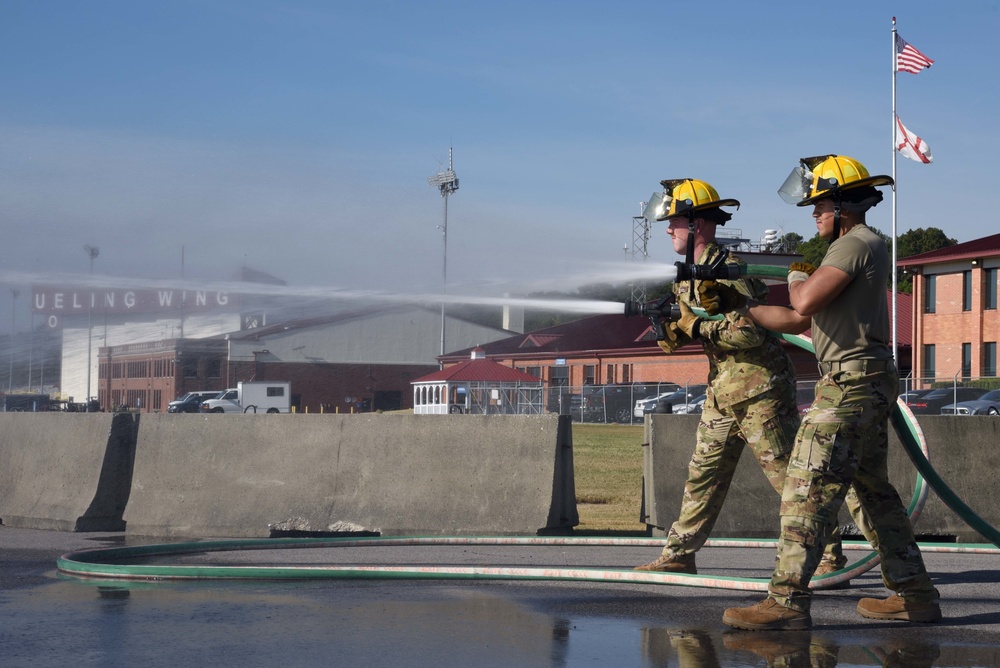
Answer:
x=843 y=439
x=750 y=400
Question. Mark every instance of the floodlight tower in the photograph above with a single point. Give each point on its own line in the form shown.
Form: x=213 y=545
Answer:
x=447 y=183
x=93 y=252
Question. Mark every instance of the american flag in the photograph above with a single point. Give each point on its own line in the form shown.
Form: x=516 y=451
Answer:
x=908 y=59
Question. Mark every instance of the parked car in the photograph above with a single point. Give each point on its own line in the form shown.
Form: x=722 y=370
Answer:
x=988 y=404
x=693 y=406
x=675 y=398
x=931 y=403
x=191 y=402
x=612 y=403
x=913 y=395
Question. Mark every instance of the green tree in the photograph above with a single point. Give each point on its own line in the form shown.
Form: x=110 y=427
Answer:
x=915 y=242
x=813 y=250
x=789 y=243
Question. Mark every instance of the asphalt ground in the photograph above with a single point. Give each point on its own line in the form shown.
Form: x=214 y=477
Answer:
x=47 y=619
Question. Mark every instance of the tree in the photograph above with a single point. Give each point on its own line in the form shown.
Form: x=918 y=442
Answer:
x=813 y=250
x=915 y=242
x=789 y=243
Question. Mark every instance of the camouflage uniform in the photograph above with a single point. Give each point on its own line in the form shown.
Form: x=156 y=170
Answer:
x=844 y=440
x=750 y=402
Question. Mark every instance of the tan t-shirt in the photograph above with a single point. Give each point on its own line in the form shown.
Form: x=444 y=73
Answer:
x=855 y=325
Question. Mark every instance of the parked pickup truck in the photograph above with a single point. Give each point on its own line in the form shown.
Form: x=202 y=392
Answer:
x=253 y=397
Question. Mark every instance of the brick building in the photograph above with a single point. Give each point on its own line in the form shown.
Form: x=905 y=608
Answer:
x=343 y=362
x=613 y=349
x=955 y=321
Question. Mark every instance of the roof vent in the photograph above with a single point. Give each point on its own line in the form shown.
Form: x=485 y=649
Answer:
x=478 y=353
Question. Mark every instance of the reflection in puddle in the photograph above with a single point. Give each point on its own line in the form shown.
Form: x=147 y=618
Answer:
x=413 y=624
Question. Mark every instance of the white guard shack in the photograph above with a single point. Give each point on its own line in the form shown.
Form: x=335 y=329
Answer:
x=478 y=386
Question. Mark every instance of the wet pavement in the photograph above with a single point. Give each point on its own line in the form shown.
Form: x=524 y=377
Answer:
x=47 y=619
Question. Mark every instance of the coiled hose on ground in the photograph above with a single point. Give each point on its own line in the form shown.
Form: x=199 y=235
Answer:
x=114 y=563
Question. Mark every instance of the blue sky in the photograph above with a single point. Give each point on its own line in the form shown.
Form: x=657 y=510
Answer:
x=296 y=137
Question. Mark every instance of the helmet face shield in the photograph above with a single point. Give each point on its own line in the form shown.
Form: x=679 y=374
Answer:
x=826 y=176
x=797 y=186
x=657 y=207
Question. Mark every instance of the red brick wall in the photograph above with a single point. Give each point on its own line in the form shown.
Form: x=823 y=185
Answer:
x=949 y=326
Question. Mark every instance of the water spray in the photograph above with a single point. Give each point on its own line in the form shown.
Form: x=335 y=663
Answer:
x=667 y=309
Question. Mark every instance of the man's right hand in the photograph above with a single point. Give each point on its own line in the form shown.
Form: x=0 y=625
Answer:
x=718 y=298
x=675 y=338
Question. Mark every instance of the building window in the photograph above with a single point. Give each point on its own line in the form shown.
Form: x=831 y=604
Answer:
x=930 y=293
x=990 y=293
x=966 y=290
x=626 y=373
x=588 y=374
x=990 y=359
x=966 y=360
x=189 y=367
x=610 y=377
x=558 y=376
x=929 y=361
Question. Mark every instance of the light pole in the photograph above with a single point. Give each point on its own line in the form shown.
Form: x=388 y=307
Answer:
x=447 y=183
x=14 y=292
x=93 y=252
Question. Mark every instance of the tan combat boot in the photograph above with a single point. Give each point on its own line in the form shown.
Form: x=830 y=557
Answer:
x=767 y=615
x=681 y=563
x=896 y=607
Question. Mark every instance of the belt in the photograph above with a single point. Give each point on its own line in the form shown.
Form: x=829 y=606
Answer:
x=864 y=366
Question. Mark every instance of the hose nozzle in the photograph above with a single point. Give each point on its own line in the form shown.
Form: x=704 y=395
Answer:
x=657 y=312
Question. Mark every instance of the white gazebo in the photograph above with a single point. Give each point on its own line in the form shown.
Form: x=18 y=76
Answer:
x=477 y=386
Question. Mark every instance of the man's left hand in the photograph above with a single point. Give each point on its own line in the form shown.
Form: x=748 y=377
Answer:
x=688 y=322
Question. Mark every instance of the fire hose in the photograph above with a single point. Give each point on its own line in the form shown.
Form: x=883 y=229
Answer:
x=119 y=563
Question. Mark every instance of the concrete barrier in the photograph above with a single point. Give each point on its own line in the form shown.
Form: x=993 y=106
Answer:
x=261 y=475
x=965 y=451
x=65 y=471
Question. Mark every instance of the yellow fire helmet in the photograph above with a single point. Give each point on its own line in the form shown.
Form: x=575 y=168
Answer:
x=683 y=197
x=824 y=176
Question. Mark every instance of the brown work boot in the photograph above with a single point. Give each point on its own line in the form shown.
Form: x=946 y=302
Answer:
x=768 y=615
x=825 y=568
x=679 y=563
x=896 y=607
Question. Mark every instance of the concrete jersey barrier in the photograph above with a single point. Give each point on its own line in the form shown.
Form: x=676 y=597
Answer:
x=962 y=449
x=262 y=475
x=65 y=471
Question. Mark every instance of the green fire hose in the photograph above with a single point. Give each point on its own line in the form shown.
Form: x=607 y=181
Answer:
x=119 y=563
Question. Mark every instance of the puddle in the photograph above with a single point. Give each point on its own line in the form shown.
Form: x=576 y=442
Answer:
x=256 y=623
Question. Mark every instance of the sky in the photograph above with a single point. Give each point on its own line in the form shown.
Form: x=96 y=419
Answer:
x=296 y=137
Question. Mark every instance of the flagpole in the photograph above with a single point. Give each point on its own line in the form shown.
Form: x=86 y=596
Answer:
x=895 y=311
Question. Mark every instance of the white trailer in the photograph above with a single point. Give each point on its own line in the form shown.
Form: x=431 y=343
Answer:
x=260 y=396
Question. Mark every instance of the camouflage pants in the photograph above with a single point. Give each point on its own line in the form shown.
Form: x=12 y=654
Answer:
x=767 y=424
x=844 y=441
